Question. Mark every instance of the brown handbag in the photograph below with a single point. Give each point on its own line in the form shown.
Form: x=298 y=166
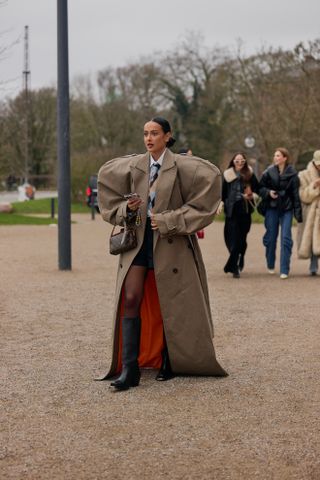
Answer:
x=124 y=240
x=248 y=191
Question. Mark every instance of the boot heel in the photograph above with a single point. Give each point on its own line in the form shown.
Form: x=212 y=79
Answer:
x=130 y=377
x=135 y=381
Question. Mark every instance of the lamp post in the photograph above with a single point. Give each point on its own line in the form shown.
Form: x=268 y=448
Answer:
x=63 y=131
x=250 y=143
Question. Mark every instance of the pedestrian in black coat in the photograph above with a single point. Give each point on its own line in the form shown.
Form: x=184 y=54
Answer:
x=279 y=190
x=239 y=186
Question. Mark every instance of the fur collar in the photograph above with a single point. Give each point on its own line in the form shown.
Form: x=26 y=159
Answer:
x=313 y=172
x=309 y=174
x=230 y=174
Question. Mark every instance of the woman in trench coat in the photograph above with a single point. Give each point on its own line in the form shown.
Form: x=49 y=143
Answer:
x=162 y=316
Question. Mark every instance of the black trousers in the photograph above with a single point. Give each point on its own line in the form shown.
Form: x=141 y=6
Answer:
x=236 y=229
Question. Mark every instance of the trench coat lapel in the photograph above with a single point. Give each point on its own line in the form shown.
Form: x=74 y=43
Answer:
x=167 y=176
x=140 y=180
x=166 y=179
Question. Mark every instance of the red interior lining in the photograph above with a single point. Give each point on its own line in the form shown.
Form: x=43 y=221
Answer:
x=151 y=340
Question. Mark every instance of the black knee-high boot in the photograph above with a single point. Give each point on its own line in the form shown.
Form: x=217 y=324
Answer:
x=130 y=375
x=165 y=372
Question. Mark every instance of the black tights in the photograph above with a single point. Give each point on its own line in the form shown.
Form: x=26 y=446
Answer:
x=133 y=290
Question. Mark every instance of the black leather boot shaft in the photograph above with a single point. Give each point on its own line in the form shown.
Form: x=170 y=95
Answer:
x=165 y=372
x=130 y=340
x=130 y=375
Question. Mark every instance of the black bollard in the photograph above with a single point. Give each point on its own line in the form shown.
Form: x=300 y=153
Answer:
x=52 y=207
x=93 y=210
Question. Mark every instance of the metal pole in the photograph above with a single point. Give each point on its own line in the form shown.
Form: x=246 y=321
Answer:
x=93 y=208
x=64 y=200
x=52 y=207
x=26 y=74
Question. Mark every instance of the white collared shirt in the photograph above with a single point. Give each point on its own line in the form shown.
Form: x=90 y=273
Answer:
x=153 y=194
x=160 y=159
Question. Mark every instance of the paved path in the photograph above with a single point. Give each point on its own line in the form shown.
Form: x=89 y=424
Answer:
x=262 y=422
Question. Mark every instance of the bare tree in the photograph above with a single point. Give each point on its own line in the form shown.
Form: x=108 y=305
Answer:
x=5 y=51
x=41 y=121
x=276 y=91
x=194 y=80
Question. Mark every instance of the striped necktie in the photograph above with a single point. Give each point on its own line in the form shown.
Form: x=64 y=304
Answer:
x=154 y=172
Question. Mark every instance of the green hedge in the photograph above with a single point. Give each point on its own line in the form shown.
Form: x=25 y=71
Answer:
x=43 y=206
x=13 y=219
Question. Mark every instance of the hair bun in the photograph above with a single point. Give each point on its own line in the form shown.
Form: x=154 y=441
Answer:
x=171 y=142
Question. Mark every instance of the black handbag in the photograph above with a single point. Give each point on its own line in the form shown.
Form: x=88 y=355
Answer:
x=262 y=207
x=124 y=240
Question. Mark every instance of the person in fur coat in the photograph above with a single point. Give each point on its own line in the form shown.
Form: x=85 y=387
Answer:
x=308 y=238
x=239 y=187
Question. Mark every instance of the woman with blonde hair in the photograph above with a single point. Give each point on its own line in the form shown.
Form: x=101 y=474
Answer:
x=279 y=190
x=309 y=231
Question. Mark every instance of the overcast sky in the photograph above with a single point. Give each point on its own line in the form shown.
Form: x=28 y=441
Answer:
x=115 y=32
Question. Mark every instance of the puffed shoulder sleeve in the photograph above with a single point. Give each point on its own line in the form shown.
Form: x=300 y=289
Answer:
x=200 y=202
x=113 y=184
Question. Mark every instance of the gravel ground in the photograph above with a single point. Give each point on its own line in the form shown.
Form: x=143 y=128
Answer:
x=262 y=422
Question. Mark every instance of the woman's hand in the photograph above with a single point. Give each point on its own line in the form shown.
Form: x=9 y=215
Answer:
x=273 y=194
x=134 y=203
x=154 y=225
x=219 y=209
x=316 y=183
x=248 y=196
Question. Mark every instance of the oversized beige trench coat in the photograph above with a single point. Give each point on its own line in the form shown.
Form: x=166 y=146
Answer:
x=187 y=196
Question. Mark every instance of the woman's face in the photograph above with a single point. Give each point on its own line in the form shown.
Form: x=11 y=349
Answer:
x=155 y=139
x=279 y=159
x=238 y=162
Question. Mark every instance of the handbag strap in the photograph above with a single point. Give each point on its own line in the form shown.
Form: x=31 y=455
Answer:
x=114 y=226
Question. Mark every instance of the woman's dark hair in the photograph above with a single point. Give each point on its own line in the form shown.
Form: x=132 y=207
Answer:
x=245 y=172
x=165 y=125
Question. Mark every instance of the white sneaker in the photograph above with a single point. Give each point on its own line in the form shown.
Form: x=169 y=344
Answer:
x=271 y=271
x=283 y=276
